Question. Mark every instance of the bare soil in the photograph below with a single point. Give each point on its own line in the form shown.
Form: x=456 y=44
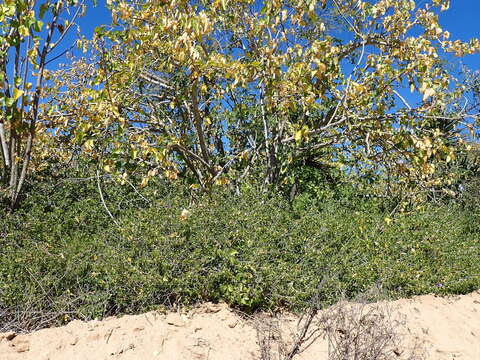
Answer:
x=443 y=328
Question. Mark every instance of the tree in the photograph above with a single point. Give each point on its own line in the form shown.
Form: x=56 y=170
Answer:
x=220 y=89
x=30 y=32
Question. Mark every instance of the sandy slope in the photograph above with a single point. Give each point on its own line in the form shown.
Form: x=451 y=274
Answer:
x=446 y=328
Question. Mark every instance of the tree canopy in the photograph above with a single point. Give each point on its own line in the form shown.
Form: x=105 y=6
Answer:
x=30 y=33
x=220 y=92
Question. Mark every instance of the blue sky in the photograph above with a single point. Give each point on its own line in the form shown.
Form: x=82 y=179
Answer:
x=462 y=20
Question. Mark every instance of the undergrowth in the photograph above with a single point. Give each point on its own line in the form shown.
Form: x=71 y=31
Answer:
x=62 y=257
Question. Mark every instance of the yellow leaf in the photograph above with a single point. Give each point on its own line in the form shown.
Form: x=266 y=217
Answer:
x=144 y=182
x=303 y=133
x=428 y=92
x=23 y=30
x=17 y=93
x=152 y=173
x=222 y=181
x=171 y=175
x=298 y=135
x=88 y=145
x=185 y=214
x=423 y=87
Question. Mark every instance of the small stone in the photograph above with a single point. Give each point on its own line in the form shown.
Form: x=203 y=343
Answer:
x=175 y=319
x=20 y=345
x=74 y=341
x=139 y=328
x=156 y=353
x=10 y=336
x=22 y=348
x=232 y=323
x=124 y=349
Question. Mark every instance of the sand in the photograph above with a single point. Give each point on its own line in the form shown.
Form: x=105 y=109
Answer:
x=430 y=327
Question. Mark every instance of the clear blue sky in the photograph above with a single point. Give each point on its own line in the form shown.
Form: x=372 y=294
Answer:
x=462 y=20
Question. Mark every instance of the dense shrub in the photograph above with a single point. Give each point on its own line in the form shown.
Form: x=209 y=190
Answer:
x=62 y=257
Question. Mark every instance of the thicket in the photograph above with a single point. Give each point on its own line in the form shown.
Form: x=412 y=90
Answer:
x=63 y=257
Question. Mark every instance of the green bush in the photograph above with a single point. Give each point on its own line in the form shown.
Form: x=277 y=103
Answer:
x=62 y=257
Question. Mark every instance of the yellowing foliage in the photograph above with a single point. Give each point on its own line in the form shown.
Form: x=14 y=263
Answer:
x=191 y=87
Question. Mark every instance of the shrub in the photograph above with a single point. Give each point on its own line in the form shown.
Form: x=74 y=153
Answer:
x=64 y=258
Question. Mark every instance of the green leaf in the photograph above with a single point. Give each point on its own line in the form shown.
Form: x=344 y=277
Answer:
x=43 y=8
x=37 y=26
x=100 y=31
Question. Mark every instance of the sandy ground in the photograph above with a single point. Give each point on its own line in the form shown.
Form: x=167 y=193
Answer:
x=438 y=328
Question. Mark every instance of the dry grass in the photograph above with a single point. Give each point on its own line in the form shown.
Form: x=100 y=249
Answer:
x=353 y=331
